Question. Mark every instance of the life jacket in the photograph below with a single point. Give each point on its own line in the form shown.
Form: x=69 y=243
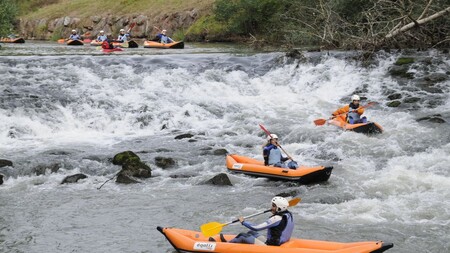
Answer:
x=283 y=232
x=102 y=38
x=123 y=38
x=74 y=37
x=107 y=45
x=352 y=113
x=274 y=156
x=164 y=39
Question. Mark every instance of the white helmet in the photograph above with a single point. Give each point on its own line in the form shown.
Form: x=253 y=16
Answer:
x=74 y=30
x=281 y=203
x=272 y=136
x=102 y=31
x=356 y=97
x=164 y=30
x=122 y=30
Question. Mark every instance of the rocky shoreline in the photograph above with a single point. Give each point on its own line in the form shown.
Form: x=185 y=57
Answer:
x=53 y=29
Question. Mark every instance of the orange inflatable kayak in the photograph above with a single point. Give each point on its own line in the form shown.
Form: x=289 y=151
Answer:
x=253 y=167
x=154 y=44
x=96 y=43
x=128 y=44
x=366 y=128
x=8 y=40
x=194 y=241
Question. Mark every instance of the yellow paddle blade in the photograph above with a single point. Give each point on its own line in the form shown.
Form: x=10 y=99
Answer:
x=294 y=201
x=211 y=228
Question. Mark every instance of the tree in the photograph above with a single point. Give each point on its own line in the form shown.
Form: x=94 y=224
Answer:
x=8 y=11
x=368 y=24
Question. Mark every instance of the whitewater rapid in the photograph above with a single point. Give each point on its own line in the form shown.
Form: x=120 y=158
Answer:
x=78 y=110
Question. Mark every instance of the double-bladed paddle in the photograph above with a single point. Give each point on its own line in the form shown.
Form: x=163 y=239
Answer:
x=321 y=122
x=213 y=228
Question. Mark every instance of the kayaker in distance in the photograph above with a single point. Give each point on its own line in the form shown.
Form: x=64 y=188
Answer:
x=161 y=37
x=123 y=37
x=279 y=226
x=272 y=154
x=353 y=110
x=74 y=35
x=102 y=37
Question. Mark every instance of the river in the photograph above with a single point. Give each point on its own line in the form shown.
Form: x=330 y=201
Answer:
x=77 y=107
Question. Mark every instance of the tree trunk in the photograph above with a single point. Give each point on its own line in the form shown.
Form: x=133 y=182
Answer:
x=418 y=22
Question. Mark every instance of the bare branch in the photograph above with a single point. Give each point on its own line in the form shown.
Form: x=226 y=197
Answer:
x=419 y=22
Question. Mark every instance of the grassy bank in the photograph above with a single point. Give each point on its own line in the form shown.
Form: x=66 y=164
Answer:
x=38 y=9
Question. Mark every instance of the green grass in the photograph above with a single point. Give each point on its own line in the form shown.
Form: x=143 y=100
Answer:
x=87 y=8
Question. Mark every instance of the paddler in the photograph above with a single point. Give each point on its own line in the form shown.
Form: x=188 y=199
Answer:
x=272 y=154
x=353 y=111
x=279 y=226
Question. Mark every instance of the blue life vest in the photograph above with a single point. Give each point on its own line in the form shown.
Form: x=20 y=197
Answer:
x=74 y=37
x=123 y=38
x=353 y=114
x=165 y=39
x=274 y=156
x=102 y=38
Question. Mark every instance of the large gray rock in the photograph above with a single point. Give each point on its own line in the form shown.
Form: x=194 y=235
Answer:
x=1 y=179
x=67 y=21
x=220 y=179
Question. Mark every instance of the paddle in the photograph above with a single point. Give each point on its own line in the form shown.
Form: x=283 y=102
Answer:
x=62 y=41
x=131 y=27
x=321 y=122
x=268 y=133
x=213 y=228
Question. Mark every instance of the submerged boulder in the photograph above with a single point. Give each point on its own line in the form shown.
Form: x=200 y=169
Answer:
x=394 y=103
x=395 y=96
x=220 y=151
x=220 y=179
x=42 y=168
x=183 y=136
x=164 y=162
x=404 y=60
x=4 y=163
x=73 y=178
x=436 y=118
x=1 y=179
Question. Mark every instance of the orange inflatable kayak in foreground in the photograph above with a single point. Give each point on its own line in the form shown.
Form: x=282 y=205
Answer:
x=253 y=167
x=194 y=241
x=366 y=128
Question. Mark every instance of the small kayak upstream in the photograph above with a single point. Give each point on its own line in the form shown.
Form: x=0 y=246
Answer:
x=365 y=128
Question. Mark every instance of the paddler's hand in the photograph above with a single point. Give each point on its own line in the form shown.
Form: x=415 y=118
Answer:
x=241 y=219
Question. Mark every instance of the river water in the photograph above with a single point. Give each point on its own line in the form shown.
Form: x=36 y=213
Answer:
x=77 y=107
